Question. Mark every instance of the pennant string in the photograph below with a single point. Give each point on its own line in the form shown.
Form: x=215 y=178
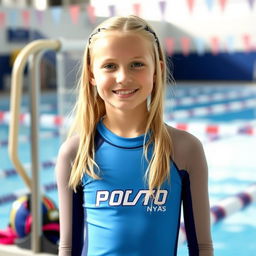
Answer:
x=91 y=13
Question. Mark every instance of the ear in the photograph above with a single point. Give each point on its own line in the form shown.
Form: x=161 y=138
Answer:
x=92 y=79
x=161 y=66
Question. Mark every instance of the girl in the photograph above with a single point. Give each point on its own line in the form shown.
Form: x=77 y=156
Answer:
x=132 y=170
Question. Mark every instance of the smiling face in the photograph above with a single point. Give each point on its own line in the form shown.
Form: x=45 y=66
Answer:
x=122 y=69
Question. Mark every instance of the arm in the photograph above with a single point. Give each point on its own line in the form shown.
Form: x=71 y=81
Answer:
x=188 y=154
x=66 y=155
x=198 y=179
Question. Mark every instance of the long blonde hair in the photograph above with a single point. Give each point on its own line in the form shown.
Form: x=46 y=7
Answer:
x=90 y=109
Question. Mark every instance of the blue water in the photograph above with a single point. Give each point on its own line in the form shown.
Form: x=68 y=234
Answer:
x=231 y=161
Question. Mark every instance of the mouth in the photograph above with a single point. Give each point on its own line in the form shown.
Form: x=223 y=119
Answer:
x=125 y=92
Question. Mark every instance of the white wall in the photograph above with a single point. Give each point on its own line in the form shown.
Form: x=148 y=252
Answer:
x=49 y=27
x=235 y=21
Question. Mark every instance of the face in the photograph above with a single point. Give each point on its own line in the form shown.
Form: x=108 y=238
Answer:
x=123 y=69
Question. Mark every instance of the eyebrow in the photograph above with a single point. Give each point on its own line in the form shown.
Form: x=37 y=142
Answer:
x=133 y=58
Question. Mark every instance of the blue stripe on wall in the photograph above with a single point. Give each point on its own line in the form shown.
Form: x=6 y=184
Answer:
x=5 y=68
x=224 y=66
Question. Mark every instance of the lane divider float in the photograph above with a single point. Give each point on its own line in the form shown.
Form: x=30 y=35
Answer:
x=234 y=106
x=227 y=207
x=25 y=138
x=209 y=98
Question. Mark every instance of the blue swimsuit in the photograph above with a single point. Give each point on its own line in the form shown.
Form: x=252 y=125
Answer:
x=120 y=217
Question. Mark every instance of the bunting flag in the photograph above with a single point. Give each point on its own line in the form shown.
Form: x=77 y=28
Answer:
x=2 y=19
x=56 y=13
x=13 y=17
x=39 y=16
x=223 y=4
x=74 y=11
x=200 y=45
x=209 y=4
x=25 y=18
x=230 y=41
x=251 y=3
x=136 y=9
x=185 y=45
x=112 y=10
x=169 y=45
x=162 y=6
x=247 y=42
x=191 y=4
x=215 y=45
x=90 y=9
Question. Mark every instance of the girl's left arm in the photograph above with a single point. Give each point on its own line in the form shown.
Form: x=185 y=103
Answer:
x=198 y=179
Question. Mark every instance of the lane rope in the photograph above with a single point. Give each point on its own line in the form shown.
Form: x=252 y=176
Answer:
x=215 y=97
x=25 y=138
x=7 y=173
x=226 y=207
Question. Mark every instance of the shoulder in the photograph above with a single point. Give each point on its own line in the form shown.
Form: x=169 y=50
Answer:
x=183 y=139
x=66 y=156
x=186 y=147
x=69 y=148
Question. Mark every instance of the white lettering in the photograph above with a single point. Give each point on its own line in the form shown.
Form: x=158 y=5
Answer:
x=120 y=197
x=101 y=196
x=147 y=197
x=119 y=194
x=156 y=208
x=141 y=192
x=126 y=198
x=159 y=201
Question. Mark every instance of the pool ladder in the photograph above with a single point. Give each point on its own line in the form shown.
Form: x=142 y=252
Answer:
x=32 y=54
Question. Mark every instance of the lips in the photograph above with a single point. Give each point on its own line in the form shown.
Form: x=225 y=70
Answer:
x=125 y=92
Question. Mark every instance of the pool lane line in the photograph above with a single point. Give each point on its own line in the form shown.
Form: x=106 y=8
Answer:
x=25 y=138
x=216 y=129
x=53 y=121
x=211 y=131
x=9 y=198
x=48 y=120
x=24 y=119
x=43 y=107
x=214 y=109
x=208 y=98
x=226 y=207
x=181 y=91
x=233 y=204
x=7 y=173
x=240 y=104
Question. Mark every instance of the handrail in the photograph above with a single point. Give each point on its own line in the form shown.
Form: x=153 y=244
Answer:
x=16 y=86
x=33 y=53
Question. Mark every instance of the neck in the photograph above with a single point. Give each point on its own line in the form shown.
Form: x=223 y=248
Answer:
x=126 y=124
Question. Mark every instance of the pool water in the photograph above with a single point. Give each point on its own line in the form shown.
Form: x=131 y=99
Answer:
x=230 y=157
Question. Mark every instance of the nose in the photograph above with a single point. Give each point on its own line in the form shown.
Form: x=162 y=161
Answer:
x=123 y=76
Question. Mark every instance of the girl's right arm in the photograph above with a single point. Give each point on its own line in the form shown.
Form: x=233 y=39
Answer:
x=66 y=155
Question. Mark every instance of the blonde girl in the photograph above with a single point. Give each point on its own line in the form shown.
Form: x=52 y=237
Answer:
x=129 y=171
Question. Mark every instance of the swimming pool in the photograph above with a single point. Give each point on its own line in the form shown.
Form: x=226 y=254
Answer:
x=230 y=154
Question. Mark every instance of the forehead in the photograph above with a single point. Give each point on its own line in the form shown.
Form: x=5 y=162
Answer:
x=114 y=44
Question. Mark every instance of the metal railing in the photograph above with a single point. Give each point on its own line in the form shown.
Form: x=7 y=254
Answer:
x=31 y=54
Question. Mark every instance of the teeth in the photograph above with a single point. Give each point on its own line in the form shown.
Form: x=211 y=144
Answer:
x=125 y=92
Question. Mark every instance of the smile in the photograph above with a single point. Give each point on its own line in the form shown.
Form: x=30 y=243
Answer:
x=125 y=92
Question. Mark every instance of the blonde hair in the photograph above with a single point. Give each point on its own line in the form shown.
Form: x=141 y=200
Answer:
x=90 y=109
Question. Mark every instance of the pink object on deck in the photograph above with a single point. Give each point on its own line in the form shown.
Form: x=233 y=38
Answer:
x=7 y=236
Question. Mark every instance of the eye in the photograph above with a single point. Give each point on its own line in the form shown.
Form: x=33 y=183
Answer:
x=137 y=65
x=109 y=66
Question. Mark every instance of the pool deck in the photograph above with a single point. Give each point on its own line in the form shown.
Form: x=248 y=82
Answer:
x=13 y=250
